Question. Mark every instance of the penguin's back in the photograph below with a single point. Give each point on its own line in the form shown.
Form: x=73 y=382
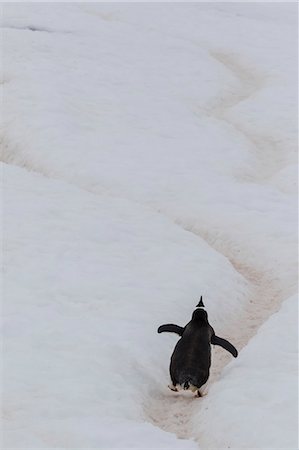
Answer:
x=191 y=358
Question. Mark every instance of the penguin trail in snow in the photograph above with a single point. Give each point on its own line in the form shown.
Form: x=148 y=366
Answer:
x=191 y=359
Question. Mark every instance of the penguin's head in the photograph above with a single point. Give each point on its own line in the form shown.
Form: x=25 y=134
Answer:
x=200 y=315
x=200 y=303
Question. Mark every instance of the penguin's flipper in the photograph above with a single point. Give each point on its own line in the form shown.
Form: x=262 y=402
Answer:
x=224 y=344
x=171 y=328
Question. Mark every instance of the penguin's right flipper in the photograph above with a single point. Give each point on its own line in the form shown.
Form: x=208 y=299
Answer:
x=171 y=328
x=224 y=344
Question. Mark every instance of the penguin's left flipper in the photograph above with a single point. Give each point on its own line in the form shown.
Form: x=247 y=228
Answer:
x=224 y=344
x=171 y=328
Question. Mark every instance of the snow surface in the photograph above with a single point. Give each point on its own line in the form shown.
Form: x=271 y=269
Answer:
x=149 y=156
x=255 y=397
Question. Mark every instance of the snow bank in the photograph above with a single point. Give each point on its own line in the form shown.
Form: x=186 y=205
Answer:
x=88 y=281
x=189 y=108
x=254 y=404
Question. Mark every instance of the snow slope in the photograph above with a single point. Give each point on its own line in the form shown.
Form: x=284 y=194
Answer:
x=89 y=278
x=149 y=157
x=256 y=397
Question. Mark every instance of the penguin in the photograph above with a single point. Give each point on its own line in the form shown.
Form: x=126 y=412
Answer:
x=191 y=359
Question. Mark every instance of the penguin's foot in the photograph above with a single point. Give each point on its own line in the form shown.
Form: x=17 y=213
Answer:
x=172 y=388
x=198 y=394
x=193 y=388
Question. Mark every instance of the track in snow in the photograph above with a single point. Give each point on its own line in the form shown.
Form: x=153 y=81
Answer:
x=268 y=152
x=173 y=412
x=170 y=411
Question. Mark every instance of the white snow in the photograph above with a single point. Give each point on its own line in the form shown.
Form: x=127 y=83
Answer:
x=149 y=156
x=256 y=397
x=89 y=278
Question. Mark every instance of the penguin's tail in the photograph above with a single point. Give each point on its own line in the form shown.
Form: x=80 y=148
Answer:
x=186 y=385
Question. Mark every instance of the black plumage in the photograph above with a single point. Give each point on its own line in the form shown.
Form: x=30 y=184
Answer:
x=191 y=359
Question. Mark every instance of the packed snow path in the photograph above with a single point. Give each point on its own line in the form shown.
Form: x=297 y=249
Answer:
x=269 y=158
x=156 y=160
x=173 y=412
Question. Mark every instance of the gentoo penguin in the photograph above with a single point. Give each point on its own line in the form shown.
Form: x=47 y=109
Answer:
x=191 y=359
